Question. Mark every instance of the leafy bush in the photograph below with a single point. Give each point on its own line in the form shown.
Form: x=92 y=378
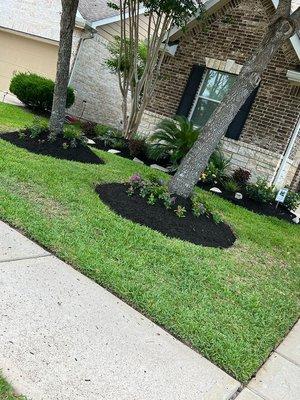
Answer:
x=38 y=128
x=217 y=170
x=89 y=128
x=173 y=136
x=231 y=186
x=36 y=91
x=73 y=136
x=241 y=176
x=137 y=146
x=110 y=137
x=261 y=191
x=292 y=200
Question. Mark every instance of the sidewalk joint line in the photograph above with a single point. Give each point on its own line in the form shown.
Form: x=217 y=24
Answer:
x=26 y=258
x=285 y=357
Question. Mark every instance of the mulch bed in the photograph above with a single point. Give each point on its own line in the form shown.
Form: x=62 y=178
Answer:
x=125 y=153
x=55 y=149
x=198 y=230
x=267 y=209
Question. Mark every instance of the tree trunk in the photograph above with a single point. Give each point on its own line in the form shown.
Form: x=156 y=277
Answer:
x=197 y=158
x=67 y=24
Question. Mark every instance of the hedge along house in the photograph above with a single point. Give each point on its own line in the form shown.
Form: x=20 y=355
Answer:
x=29 y=37
x=200 y=68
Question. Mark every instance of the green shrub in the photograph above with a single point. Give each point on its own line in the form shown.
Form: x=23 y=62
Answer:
x=137 y=146
x=231 y=186
x=173 y=136
x=73 y=136
x=89 y=128
x=38 y=128
x=36 y=91
x=292 y=200
x=218 y=168
x=261 y=191
x=110 y=137
x=241 y=176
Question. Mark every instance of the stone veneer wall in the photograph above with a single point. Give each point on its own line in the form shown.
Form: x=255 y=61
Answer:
x=261 y=162
x=230 y=37
x=94 y=84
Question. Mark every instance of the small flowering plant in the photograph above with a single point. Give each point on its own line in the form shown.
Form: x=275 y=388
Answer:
x=135 y=180
x=155 y=190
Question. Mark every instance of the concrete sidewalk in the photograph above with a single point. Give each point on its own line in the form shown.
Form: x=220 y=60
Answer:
x=63 y=337
x=279 y=378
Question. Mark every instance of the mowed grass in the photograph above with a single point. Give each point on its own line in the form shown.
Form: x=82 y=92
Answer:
x=13 y=117
x=6 y=391
x=233 y=306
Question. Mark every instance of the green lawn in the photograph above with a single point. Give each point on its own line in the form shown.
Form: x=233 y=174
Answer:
x=13 y=117
x=6 y=392
x=234 y=306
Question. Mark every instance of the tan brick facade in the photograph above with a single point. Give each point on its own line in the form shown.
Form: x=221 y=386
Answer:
x=230 y=36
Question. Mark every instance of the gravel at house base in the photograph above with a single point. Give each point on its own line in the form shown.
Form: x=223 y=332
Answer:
x=80 y=153
x=267 y=209
x=198 y=230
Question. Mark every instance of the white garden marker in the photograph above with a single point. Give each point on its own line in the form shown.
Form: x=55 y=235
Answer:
x=138 y=160
x=215 y=190
x=113 y=151
x=281 y=195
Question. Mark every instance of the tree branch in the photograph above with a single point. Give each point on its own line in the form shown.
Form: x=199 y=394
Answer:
x=295 y=17
x=283 y=9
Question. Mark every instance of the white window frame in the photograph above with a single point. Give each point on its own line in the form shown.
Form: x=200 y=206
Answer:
x=198 y=96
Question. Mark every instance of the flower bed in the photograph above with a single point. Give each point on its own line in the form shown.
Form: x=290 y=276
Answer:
x=269 y=209
x=148 y=203
x=70 y=145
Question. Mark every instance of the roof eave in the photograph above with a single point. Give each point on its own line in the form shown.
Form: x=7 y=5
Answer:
x=110 y=20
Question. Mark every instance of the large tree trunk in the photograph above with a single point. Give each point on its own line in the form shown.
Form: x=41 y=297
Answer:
x=197 y=158
x=67 y=24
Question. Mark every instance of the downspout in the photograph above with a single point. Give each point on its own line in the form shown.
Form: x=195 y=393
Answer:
x=280 y=173
x=90 y=35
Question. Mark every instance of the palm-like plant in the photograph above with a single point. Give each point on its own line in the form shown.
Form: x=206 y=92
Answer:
x=174 y=137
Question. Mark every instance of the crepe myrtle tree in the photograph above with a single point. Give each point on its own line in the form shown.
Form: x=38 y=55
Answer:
x=67 y=24
x=138 y=64
x=282 y=27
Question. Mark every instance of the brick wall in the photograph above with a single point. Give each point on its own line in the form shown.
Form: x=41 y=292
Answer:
x=233 y=33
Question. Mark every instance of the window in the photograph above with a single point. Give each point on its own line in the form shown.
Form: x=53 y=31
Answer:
x=215 y=85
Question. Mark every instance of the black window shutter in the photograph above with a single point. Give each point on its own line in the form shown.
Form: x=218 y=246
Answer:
x=235 y=128
x=190 y=90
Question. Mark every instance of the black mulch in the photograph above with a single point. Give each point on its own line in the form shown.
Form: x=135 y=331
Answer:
x=125 y=153
x=267 y=209
x=55 y=149
x=198 y=230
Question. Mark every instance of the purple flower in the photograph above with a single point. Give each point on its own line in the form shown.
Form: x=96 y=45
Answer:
x=135 y=178
x=173 y=200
